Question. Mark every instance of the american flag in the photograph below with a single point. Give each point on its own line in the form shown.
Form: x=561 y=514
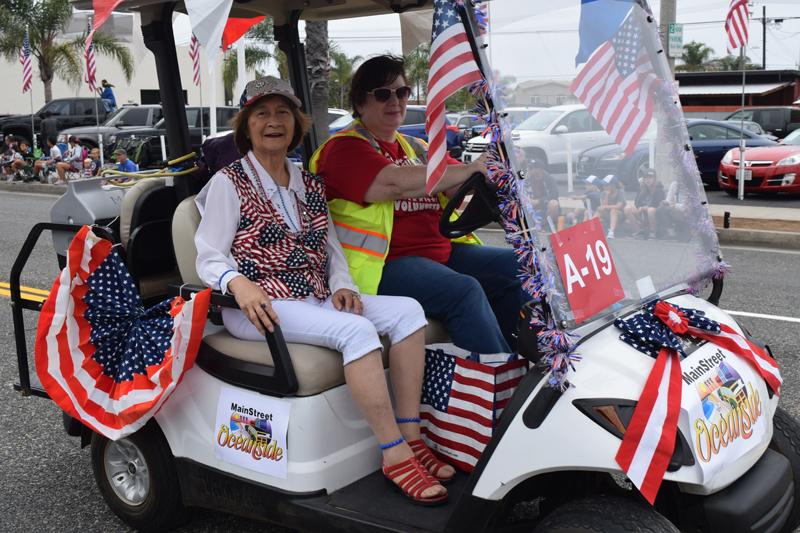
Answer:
x=452 y=66
x=88 y=55
x=100 y=355
x=461 y=400
x=736 y=24
x=194 y=53
x=616 y=83
x=25 y=59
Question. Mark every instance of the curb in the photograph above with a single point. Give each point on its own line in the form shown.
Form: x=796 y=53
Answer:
x=40 y=188
x=759 y=238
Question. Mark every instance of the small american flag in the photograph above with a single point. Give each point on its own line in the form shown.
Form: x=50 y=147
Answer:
x=88 y=55
x=736 y=24
x=452 y=66
x=25 y=59
x=616 y=83
x=194 y=53
x=461 y=400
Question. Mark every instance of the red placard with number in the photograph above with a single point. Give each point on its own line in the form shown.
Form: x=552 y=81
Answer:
x=587 y=270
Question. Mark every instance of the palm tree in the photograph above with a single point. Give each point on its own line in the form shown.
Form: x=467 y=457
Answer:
x=731 y=62
x=46 y=21
x=695 y=56
x=318 y=62
x=342 y=68
x=417 y=67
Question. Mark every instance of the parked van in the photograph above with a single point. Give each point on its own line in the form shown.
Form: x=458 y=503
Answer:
x=777 y=120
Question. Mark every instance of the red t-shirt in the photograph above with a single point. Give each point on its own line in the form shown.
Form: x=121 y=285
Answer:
x=349 y=166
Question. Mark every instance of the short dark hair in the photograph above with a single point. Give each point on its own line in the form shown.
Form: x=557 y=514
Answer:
x=373 y=73
x=302 y=123
x=52 y=140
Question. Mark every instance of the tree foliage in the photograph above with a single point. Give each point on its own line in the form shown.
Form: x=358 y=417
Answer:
x=695 y=56
x=46 y=21
x=342 y=69
x=417 y=68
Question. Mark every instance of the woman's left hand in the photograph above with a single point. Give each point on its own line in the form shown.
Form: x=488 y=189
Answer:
x=347 y=300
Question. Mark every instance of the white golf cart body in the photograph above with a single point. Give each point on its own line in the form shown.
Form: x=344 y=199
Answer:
x=546 y=445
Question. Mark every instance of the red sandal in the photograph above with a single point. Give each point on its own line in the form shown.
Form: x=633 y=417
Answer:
x=426 y=458
x=414 y=480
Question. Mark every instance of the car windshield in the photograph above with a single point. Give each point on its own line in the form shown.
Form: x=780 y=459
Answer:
x=341 y=122
x=793 y=139
x=539 y=121
x=517 y=116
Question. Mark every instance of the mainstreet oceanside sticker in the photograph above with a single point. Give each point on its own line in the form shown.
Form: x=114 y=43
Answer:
x=251 y=431
x=724 y=398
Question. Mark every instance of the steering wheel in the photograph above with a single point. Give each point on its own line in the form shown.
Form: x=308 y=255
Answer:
x=480 y=211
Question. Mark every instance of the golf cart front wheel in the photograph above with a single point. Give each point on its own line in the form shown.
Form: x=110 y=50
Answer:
x=136 y=476
x=607 y=514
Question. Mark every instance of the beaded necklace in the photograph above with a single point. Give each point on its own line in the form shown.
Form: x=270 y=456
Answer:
x=301 y=211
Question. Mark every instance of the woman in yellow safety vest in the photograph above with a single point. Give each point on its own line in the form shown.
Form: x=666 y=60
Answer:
x=389 y=226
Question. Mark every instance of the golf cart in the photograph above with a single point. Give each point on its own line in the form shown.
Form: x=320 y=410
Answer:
x=311 y=462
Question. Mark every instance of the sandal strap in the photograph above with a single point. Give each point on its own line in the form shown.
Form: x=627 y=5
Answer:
x=417 y=478
x=426 y=458
x=409 y=420
x=387 y=445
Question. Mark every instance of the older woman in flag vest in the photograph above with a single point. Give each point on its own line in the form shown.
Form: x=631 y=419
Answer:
x=266 y=237
x=389 y=226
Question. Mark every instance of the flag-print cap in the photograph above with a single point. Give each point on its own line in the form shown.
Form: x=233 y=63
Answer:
x=592 y=180
x=267 y=86
x=610 y=179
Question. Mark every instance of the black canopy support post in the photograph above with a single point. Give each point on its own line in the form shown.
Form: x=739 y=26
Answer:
x=159 y=39
x=288 y=38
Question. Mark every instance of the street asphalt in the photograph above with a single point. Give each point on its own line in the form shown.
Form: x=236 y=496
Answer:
x=46 y=481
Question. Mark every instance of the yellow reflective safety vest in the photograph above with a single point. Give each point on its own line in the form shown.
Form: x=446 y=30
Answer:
x=365 y=232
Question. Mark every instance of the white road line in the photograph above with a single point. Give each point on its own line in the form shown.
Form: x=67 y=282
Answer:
x=757 y=249
x=768 y=317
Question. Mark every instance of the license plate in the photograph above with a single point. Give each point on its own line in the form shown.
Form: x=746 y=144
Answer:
x=748 y=175
x=466 y=158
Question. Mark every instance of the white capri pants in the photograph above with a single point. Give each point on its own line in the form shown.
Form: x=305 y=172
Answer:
x=312 y=321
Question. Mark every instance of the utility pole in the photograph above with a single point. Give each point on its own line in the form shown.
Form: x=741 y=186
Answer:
x=763 y=38
x=666 y=17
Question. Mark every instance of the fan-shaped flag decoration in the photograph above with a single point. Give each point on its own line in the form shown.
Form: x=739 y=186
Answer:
x=100 y=355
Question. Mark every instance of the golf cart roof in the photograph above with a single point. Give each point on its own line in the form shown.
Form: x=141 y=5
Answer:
x=280 y=10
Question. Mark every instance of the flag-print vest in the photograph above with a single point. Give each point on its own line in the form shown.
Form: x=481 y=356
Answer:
x=285 y=264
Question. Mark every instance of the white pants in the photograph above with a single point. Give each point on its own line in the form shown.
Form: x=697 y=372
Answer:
x=312 y=321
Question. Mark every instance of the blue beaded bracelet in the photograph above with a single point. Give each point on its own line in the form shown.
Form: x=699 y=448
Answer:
x=391 y=444
x=411 y=420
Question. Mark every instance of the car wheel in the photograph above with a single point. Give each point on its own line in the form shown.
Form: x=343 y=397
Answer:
x=786 y=441
x=609 y=514
x=137 y=478
x=732 y=192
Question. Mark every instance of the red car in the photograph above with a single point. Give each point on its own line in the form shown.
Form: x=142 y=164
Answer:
x=767 y=168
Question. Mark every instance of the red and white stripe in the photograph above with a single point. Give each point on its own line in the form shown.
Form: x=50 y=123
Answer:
x=736 y=24
x=650 y=437
x=90 y=76
x=25 y=60
x=63 y=351
x=452 y=67
x=194 y=53
x=624 y=107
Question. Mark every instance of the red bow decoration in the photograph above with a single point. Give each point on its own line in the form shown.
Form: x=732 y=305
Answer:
x=672 y=317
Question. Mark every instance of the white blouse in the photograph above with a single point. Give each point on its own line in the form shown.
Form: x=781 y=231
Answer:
x=219 y=206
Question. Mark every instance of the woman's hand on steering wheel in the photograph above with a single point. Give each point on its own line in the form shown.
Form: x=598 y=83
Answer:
x=254 y=303
x=479 y=165
x=347 y=300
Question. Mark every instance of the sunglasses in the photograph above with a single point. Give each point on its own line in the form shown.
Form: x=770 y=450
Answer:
x=382 y=94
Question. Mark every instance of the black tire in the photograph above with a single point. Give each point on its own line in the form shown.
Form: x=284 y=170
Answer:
x=732 y=192
x=786 y=441
x=161 y=508
x=605 y=514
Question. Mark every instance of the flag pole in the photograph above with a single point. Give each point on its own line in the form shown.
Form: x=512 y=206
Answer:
x=30 y=92
x=741 y=128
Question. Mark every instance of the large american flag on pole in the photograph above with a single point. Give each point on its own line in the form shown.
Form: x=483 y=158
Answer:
x=452 y=66
x=736 y=24
x=25 y=60
x=91 y=61
x=194 y=53
x=616 y=83
x=461 y=400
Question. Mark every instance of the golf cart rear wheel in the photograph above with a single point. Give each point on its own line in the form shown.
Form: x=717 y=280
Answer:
x=786 y=441
x=605 y=514
x=136 y=476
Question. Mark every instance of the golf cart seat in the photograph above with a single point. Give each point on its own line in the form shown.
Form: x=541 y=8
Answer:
x=144 y=231
x=316 y=368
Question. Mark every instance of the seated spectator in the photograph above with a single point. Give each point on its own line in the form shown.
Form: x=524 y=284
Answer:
x=641 y=216
x=46 y=164
x=671 y=214
x=7 y=156
x=73 y=160
x=91 y=165
x=612 y=204
x=123 y=163
x=544 y=189
x=21 y=161
x=591 y=201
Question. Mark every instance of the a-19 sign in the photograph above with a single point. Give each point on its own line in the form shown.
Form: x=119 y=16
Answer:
x=587 y=269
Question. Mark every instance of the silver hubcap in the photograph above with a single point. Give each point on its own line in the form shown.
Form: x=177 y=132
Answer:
x=127 y=471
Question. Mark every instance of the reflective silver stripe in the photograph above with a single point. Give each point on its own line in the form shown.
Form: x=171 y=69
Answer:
x=363 y=241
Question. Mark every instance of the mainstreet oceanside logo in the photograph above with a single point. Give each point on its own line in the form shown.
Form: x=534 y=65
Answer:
x=729 y=409
x=251 y=431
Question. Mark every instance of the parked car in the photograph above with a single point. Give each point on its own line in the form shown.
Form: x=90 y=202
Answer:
x=710 y=139
x=335 y=114
x=768 y=169
x=69 y=113
x=777 y=120
x=544 y=136
x=755 y=127
x=124 y=118
x=144 y=144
